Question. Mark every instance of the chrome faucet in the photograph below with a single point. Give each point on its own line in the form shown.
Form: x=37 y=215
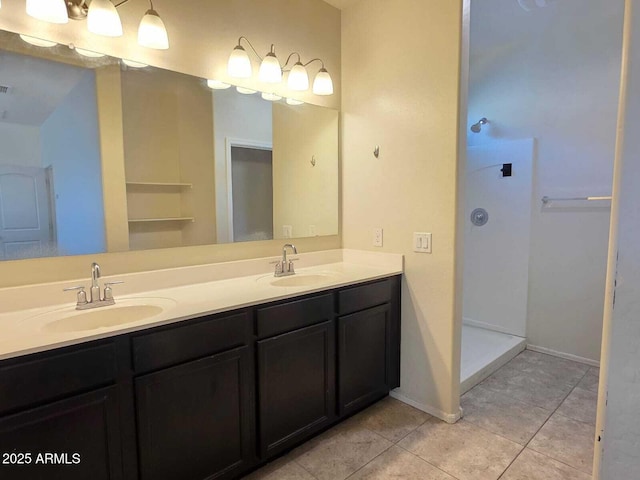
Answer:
x=285 y=267
x=94 y=293
x=95 y=300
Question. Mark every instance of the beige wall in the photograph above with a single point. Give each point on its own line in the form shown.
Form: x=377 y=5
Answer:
x=401 y=73
x=109 y=98
x=168 y=138
x=304 y=195
x=202 y=34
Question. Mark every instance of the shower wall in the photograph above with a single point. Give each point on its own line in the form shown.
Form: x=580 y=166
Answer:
x=496 y=258
x=553 y=74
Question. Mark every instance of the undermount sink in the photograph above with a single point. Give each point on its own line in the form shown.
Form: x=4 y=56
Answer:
x=122 y=313
x=298 y=279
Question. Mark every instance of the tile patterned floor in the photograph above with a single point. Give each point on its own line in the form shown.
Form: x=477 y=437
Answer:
x=531 y=420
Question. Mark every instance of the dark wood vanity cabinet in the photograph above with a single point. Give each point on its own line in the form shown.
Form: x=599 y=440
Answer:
x=195 y=421
x=204 y=399
x=60 y=415
x=368 y=344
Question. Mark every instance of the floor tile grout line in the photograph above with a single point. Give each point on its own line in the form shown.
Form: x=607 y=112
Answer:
x=381 y=453
x=427 y=461
x=302 y=467
x=541 y=427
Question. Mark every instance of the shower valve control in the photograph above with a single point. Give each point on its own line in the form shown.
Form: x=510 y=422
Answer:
x=422 y=242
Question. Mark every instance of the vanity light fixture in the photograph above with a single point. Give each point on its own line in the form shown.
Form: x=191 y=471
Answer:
x=152 y=33
x=239 y=66
x=271 y=97
x=52 y=11
x=323 y=85
x=294 y=102
x=298 y=78
x=245 y=91
x=270 y=69
x=103 y=19
x=132 y=64
x=38 y=42
x=217 y=85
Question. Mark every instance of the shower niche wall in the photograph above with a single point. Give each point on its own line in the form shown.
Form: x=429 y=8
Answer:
x=498 y=203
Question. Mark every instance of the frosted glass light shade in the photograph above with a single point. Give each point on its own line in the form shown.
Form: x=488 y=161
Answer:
x=217 y=85
x=52 y=11
x=323 y=85
x=132 y=64
x=245 y=91
x=103 y=19
x=298 y=78
x=152 y=33
x=38 y=42
x=239 y=65
x=271 y=97
x=270 y=69
x=89 y=53
x=293 y=101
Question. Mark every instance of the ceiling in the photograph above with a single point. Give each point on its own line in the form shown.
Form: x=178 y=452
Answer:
x=341 y=4
x=37 y=87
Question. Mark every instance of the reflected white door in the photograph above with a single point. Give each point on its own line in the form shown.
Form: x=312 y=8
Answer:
x=25 y=213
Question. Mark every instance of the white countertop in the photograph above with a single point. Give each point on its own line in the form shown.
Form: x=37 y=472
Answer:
x=183 y=294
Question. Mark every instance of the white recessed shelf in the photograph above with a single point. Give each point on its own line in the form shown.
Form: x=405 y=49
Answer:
x=159 y=184
x=167 y=219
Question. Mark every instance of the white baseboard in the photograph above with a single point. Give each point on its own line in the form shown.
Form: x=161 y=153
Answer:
x=435 y=412
x=488 y=326
x=566 y=356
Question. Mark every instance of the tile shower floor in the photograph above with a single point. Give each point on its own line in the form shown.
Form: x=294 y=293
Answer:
x=531 y=420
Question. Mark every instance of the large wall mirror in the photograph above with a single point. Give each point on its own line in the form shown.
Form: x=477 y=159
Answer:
x=99 y=156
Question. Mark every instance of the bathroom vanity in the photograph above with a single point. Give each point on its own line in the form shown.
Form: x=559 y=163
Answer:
x=212 y=396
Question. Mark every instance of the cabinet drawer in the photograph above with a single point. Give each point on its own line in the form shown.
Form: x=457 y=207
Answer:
x=173 y=345
x=46 y=377
x=294 y=315
x=365 y=296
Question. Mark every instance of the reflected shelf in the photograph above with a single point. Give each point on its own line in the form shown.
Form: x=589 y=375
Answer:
x=159 y=184
x=166 y=219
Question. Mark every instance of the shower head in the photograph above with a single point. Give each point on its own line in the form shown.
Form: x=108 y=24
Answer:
x=477 y=127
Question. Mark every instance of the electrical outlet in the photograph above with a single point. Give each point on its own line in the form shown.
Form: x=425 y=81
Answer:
x=377 y=237
x=287 y=231
x=422 y=242
x=312 y=231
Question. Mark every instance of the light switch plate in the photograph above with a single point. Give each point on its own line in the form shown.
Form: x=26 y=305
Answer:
x=422 y=242
x=378 y=237
x=287 y=231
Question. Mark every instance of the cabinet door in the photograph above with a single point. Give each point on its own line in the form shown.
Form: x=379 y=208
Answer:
x=296 y=386
x=364 y=357
x=73 y=439
x=195 y=420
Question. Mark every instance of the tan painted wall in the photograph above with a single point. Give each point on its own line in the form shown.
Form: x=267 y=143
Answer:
x=114 y=192
x=401 y=74
x=168 y=138
x=300 y=190
x=202 y=34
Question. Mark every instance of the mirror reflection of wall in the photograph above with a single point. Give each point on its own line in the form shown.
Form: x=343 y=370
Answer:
x=50 y=175
x=97 y=156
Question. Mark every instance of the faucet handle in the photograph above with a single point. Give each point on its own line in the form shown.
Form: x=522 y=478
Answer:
x=108 y=292
x=82 y=295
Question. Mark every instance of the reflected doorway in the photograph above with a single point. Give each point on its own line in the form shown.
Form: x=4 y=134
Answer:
x=250 y=190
